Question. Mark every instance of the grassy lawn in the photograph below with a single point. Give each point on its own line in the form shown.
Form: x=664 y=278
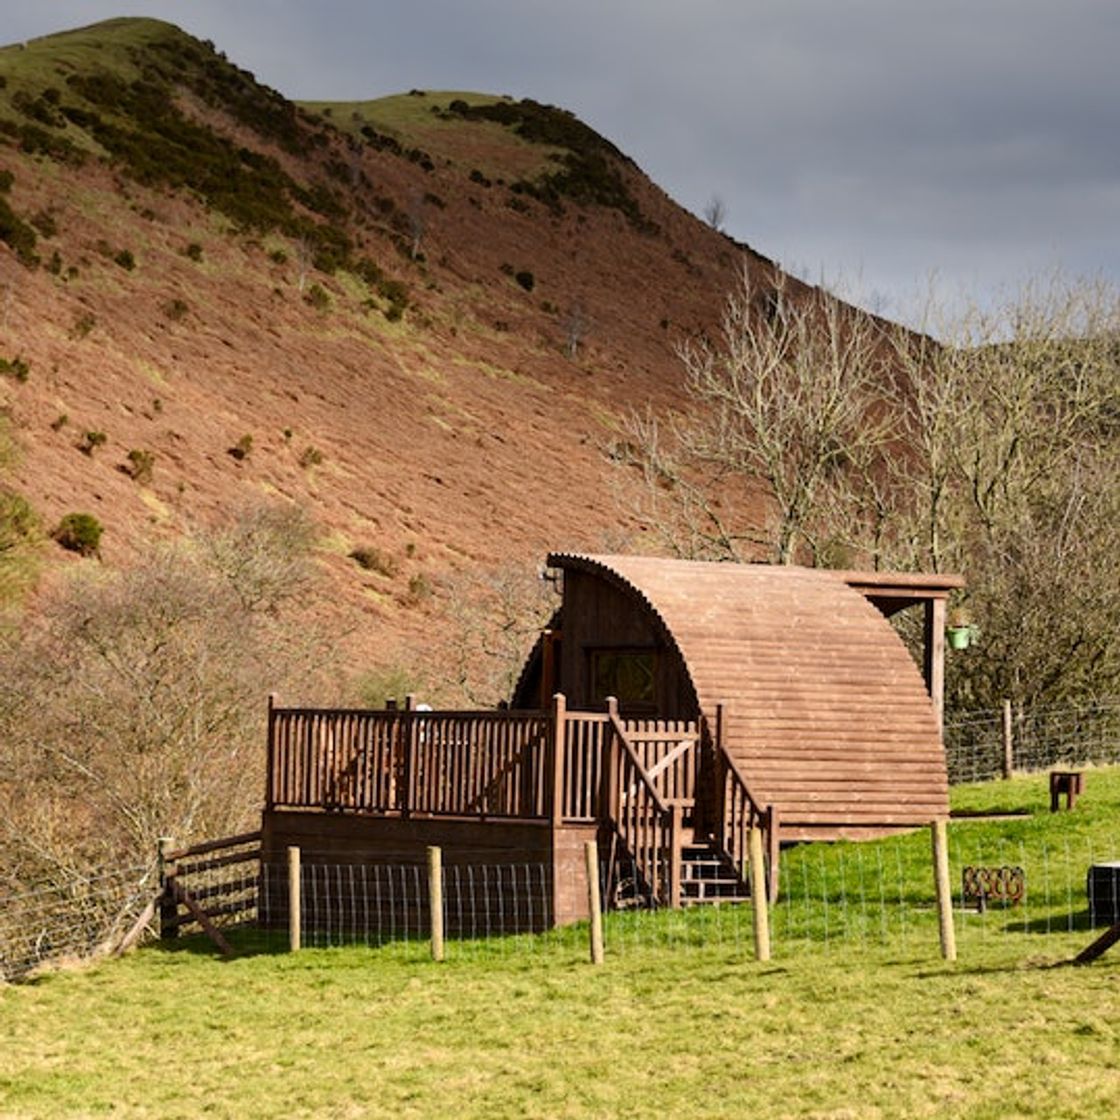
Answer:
x=360 y=1032
x=856 y=1016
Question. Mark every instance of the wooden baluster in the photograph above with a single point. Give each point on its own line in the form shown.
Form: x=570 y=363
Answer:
x=676 y=828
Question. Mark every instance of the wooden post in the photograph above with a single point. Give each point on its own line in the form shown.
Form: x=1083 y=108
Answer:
x=1008 y=740
x=594 y=903
x=405 y=791
x=718 y=823
x=548 y=665
x=944 y=891
x=935 y=654
x=270 y=755
x=758 y=897
x=773 y=853
x=612 y=795
x=676 y=830
x=435 y=900
x=559 y=735
x=294 y=901
x=168 y=901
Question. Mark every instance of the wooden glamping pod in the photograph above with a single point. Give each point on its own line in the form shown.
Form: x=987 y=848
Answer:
x=671 y=707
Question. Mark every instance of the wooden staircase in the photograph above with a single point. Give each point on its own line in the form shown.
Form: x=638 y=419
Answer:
x=708 y=877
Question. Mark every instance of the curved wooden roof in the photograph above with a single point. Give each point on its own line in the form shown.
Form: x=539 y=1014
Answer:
x=826 y=713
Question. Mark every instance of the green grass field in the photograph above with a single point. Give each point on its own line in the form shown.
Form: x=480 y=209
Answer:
x=680 y=1020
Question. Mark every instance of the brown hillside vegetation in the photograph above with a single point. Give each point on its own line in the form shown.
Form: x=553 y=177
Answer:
x=426 y=334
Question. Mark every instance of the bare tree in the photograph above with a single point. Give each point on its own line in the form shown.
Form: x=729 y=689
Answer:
x=132 y=706
x=715 y=213
x=822 y=434
x=494 y=617
x=787 y=398
x=417 y=222
x=576 y=324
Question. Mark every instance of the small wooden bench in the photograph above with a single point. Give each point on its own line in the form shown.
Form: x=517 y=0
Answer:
x=1068 y=782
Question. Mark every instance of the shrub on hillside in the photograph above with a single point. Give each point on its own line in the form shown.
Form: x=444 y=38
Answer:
x=374 y=560
x=242 y=448
x=18 y=235
x=80 y=533
x=140 y=464
x=91 y=441
x=14 y=367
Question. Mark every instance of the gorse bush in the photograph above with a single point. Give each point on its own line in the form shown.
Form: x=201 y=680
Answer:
x=80 y=533
x=92 y=440
x=140 y=464
x=242 y=448
x=375 y=560
x=14 y=367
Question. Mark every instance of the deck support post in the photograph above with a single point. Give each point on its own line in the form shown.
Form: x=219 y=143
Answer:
x=295 y=901
x=559 y=737
x=939 y=833
x=934 y=660
x=270 y=755
x=758 y=896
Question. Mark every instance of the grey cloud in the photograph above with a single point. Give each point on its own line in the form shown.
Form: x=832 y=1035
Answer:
x=888 y=137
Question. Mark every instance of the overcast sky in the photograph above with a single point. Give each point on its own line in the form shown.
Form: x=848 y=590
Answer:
x=870 y=142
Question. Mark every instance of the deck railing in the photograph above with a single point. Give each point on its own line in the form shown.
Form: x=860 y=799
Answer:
x=734 y=811
x=404 y=761
x=650 y=829
x=642 y=777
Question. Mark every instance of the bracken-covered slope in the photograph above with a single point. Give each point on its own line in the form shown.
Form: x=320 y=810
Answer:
x=421 y=317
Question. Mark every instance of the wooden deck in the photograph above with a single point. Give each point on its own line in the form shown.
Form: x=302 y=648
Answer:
x=505 y=787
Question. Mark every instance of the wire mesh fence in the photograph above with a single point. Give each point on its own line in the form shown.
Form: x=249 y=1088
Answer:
x=71 y=920
x=840 y=896
x=976 y=743
x=831 y=897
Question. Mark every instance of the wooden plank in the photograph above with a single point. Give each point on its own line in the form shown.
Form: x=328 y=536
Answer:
x=188 y=869
x=215 y=845
x=200 y=916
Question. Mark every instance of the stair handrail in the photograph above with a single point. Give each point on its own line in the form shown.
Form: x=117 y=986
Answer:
x=652 y=843
x=737 y=811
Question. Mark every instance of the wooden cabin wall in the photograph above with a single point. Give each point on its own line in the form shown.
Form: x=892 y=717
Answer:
x=541 y=879
x=598 y=615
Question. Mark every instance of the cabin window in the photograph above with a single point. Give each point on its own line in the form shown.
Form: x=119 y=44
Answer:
x=628 y=675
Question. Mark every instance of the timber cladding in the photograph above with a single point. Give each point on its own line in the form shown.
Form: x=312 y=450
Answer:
x=826 y=714
x=521 y=876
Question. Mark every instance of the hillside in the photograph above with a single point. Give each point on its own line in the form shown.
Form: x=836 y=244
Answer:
x=420 y=317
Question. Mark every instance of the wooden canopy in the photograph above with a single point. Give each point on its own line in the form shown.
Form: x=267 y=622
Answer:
x=826 y=714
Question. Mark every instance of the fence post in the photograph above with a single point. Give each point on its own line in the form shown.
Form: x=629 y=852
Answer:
x=944 y=891
x=758 y=896
x=435 y=900
x=294 y=901
x=773 y=853
x=594 y=902
x=168 y=906
x=1008 y=739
